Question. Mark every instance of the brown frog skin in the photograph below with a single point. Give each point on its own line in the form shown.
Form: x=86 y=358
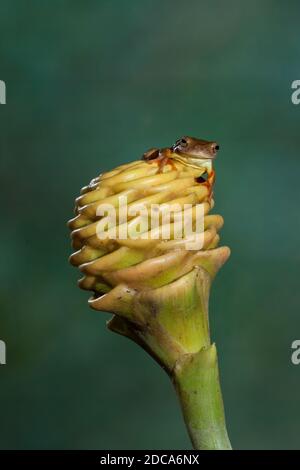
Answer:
x=187 y=150
x=196 y=148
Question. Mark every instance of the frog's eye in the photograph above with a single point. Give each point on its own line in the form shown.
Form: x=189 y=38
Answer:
x=183 y=142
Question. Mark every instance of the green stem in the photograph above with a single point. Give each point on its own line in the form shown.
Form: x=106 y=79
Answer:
x=171 y=324
x=196 y=379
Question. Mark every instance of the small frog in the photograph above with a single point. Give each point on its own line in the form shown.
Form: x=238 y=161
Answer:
x=196 y=148
x=188 y=150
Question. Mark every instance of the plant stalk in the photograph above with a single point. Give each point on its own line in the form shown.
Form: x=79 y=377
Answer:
x=196 y=380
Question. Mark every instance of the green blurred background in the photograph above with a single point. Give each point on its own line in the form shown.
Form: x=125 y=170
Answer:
x=94 y=84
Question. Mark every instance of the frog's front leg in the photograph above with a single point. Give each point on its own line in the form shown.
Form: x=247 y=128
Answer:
x=166 y=159
x=161 y=157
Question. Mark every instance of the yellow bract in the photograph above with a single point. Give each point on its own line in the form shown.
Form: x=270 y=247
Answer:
x=152 y=281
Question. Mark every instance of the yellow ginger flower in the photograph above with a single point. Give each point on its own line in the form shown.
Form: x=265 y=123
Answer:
x=157 y=287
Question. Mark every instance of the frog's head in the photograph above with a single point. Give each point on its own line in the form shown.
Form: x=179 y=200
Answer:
x=195 y=148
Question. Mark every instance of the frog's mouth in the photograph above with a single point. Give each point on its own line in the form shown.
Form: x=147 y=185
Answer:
x=194 y=162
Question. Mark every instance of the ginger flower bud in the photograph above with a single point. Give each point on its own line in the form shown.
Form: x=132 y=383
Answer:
x=146 y=243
